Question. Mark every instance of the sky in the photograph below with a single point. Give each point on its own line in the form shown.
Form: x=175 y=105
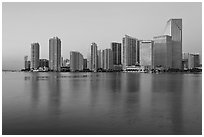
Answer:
x=80 y=24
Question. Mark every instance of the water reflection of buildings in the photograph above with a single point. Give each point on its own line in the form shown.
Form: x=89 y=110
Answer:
x=54 y=93
x=34 y=89
x=167 y=104
x=131 y=106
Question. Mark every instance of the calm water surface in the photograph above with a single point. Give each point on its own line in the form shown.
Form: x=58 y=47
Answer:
x=101 y=103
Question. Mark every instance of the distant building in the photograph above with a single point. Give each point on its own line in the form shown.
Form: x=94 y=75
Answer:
x=89 y=61
x=146 y=53
x=85 y=64
x=107 y=59
x=54 y=54
x=162 y=52
x=116 y=49
x=76 y=61
x=185 y=58
x=130 y=51
x=174 y=29
x=61 y=62
x=190 y=60
x=66 y=62
x=26 y=63
x=35 y=52
x=43 y=63
x=94 y=57
x=100 y=59
x=117 y=57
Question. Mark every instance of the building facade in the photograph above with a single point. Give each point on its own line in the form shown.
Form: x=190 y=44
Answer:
x=116 y=49
x=174 y=29
x=100 y=59
x=76 y=61
x=35 y=52
x=26 y=63
x=190 y=60
x=55 y=54
x=85 y=64
x=94 y=57
x=162 y=52
x=43 y=63
x=130 y=51
x=146 y=53
x=107 y=59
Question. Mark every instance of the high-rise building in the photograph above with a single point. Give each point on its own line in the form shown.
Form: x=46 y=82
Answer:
x=76 y=61
x=35 y=51
x=107 y=56
x=94 y=57
x=146 y=53
x=162 y=51
x=100 y=61
x=26 y=63
x=116 y=49
x=174 y=29
x=130 y=51
x=85 y=64
x=54 y=54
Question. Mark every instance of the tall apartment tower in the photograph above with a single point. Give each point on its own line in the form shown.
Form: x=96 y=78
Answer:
x=107 y=55
x=55 y=54
x=116 y=49
x=35 y=55
x=94 y=58
x=76 y=61
x=100 y=59
x=174 y=29
x=130 y=51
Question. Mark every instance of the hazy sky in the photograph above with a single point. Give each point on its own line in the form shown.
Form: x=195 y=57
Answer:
x=80 y=24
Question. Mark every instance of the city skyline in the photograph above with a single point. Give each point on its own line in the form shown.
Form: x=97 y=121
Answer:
x=102 y=40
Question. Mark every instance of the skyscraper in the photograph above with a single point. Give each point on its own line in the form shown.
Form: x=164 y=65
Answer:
x=174 y=29
x=107 y=59
x=162 y=51
x=54 y=54
x=130 y=51
x=35 y=55
x=76 y=61
x=146 y=53
x=94 y=57
x=116 y=49
x=100 y=61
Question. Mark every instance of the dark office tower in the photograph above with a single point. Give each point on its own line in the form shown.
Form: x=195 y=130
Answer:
x=35 y=55
x=85 y=64
x=54 y=54
x=116 y=49
x=174 y=29
x=94 y=57
x=130 y=51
